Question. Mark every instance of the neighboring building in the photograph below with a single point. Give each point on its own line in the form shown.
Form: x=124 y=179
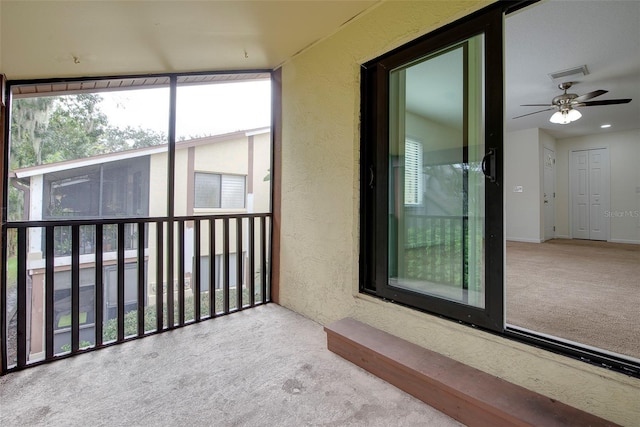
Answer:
x=222 y=174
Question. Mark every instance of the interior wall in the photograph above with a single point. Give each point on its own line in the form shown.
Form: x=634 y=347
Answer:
x=522 y=169
x=624 y=154
x=319 y=250
x=434 y=136
x=522 y=186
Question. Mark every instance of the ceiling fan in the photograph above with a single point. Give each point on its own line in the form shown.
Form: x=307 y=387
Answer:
x=565 y=104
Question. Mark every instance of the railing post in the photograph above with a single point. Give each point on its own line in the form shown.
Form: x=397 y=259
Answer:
x=99 y=285
x=121 y=287
x=195 y=279
x=141 y=282
x=225 y=245
x=22 y=297
x=181 y=272
x=75 y=288
x=252 y=262
x=263 y=255
x=159 y=276
x=239 y=262
x=212 y=267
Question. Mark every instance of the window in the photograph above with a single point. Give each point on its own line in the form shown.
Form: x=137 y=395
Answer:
x=219 y=191
x=440 y=247
x=107 y=190
x=432 y=221
x=412 y=172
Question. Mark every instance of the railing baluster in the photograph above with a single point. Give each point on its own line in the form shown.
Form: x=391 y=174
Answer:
x=212 y=267
x=77 y=231
x=263 y=261
x=142 y=302
x=170 y=262
x=252 y=266
x=452 y=252
x=75 y=288
x=99 y=286
x=195 y=280
x=121 y=282
x=159 y=275
x=239 y=262
x=181 y=272
x=22 y=297
x=225 y=246
x=48 y=291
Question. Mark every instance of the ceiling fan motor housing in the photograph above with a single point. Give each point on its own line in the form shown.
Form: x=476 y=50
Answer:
x=564 y=101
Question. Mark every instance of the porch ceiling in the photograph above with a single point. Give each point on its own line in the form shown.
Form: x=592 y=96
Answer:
x=71 y=38
x=263 y=366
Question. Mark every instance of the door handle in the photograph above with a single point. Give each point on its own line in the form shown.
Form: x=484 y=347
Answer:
x=489 y=160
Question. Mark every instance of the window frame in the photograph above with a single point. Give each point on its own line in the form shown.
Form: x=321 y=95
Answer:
x=374 y=176
x=221 y=177
x=372 y=193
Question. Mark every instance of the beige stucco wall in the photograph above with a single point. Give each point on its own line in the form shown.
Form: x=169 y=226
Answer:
x=320 y=208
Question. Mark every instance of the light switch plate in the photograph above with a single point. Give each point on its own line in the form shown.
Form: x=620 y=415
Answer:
x=517 y=189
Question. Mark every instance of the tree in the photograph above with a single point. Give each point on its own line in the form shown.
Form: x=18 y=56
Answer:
x=30 y=119
x=50 y=129
x=56 y=128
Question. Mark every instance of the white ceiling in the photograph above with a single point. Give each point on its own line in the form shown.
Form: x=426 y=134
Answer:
x=604 y=35
x=542 y=39
x=43 y=39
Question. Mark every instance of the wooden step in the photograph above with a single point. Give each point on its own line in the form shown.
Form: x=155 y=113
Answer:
x=469 y=395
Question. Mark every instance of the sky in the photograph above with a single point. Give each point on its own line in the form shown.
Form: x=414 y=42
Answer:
x=201 y=110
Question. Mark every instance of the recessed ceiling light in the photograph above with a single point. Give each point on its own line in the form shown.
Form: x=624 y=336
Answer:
x=605 y=126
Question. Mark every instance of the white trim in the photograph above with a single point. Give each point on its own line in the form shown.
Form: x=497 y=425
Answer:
x=632 y=242
x=258 y=132
x=523 y=240
x=89 y=161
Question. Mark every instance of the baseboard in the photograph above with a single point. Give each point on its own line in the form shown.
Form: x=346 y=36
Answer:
x=469 y=395
x=523 y=240
x=630 y=242
x=562 y=236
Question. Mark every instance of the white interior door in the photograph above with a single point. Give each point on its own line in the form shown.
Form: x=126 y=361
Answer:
x=549 y=193
x=590 y=194
x=598 y=194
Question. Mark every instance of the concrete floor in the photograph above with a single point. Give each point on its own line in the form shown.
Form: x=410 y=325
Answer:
x=266 y=366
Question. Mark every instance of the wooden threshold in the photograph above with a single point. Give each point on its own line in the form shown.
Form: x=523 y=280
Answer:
x=469 y=395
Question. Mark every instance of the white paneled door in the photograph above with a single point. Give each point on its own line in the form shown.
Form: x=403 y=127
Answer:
x=590 y=194
x=549 y=193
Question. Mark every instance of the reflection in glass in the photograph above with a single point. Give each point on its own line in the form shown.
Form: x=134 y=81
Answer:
x=436 y=216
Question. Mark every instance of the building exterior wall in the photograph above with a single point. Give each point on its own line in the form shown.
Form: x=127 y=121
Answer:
x=226 y=156
x=320 y=209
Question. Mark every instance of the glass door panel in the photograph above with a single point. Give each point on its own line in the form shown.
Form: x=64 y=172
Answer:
x=436 y=183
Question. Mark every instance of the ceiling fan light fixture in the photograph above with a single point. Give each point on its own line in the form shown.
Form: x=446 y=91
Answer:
x=564 y=117
x=574 y=115
x=559 y=118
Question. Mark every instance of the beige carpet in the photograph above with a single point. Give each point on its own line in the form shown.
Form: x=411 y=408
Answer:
x=584 y=291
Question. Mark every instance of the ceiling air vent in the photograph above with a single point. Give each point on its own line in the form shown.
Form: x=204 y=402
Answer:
x=580 y=71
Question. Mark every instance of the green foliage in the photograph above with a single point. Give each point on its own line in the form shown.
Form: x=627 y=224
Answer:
x=110 y=329
x=83 y=344
x=12 y=273
x=57 y=128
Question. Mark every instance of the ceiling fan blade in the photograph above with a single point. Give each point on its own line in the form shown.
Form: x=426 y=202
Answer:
x=536 y=105
x=590 y=95
x=535 y=112
x=606 y=102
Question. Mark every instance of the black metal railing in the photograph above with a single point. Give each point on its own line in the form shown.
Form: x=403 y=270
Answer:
x=435 y=248
x=154 y=275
